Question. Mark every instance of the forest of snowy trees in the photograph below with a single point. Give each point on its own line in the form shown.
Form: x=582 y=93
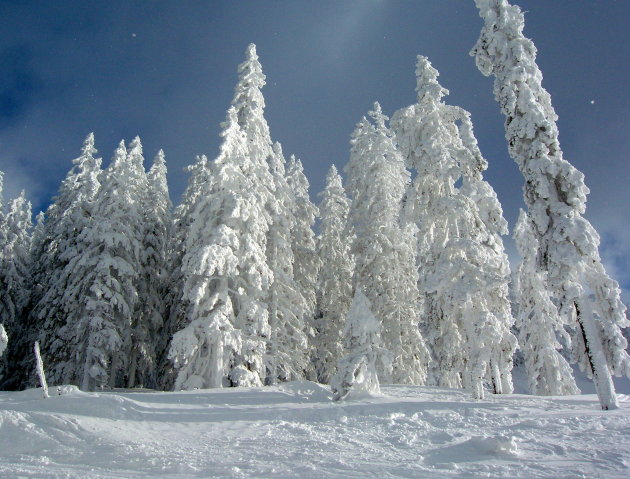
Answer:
x=405 y=279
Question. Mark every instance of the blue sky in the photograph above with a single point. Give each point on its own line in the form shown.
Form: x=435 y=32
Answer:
x=166 y=71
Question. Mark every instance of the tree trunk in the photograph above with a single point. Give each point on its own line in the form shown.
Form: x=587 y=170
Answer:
x=597 y=360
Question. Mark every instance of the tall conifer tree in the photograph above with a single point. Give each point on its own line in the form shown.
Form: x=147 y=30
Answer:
x=15 y=288
x=59 y=271
x=385 y=263
x=555 y=195
x=177 y=305
x=289 y=307
x=334 y=284
x=104 y=335
x=463 y=268
x=305 y=261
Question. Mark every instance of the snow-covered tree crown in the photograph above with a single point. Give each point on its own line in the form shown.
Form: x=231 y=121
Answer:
x=428 y=87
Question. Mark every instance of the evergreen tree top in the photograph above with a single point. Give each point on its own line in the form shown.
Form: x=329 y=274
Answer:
x=159 y=162
x=120 y=155
x=135 y=147
x=333 y=179
x=251 y=79
x=157 y=176
x=86 y=161
x=379 y=118
x=88 y=149
x=428 y=87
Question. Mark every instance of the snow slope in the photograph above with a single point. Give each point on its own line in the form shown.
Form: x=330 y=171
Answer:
x=295 y=430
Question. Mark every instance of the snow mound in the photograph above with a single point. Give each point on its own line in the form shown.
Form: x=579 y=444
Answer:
x=306 y=391
x=477 y=449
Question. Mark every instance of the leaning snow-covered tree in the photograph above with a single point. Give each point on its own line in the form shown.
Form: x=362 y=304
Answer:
x=555 y=195
x=15 y=287
x=334 y=287
x=383 y=249
x=463 y=268
x=539 y=324
x=357 y=371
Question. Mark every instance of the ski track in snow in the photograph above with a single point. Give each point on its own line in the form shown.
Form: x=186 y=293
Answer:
x=295 y=430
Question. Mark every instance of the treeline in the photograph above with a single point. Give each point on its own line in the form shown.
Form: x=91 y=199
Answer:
x=234 y=288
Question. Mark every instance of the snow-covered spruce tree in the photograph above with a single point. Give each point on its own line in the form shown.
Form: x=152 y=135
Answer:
x=383 y=249
x=149 y=316
x=114 y=241
x=539 y=324
x=225 y=269
x=287 y=349
x=305 y=260
x=142 y=339
x=555 y=195
x=486 y=232
x=59 y=268
x=357 y=371
x=15 y=287
x=463 y=268
x=205 y=351
x=177 y=306
x=253 y=316
x=334 y=283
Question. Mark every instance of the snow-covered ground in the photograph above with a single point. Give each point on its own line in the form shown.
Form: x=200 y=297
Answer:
x=295 y=430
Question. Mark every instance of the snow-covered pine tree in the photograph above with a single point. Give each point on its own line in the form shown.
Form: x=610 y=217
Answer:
x=227 y=277
x=357 y=370
x=385 y=260
x=206 y=350
x=539 y=324
x=305 y=260
x=463 y=268
x=59 y=267
x=555 y=195
x=140 y=367
x=156 y=211
x=114 y=241
x=486 y=231
x=334 y=284
x=253 y=317
x=287 y=351
x=177 y=306
x=15 y=288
